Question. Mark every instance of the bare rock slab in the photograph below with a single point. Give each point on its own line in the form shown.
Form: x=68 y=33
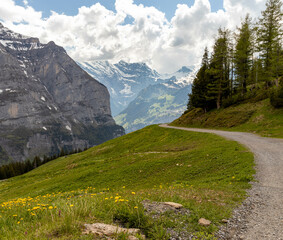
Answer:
x=107 y=230
x=204 y=222
x=174 y=205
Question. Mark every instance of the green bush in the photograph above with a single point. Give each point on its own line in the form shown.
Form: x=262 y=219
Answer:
x=276 y=97
x=253 y=96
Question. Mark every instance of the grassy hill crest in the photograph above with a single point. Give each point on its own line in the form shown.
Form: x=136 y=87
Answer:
x=258 y=117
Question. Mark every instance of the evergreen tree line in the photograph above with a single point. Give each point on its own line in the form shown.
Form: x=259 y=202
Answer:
x=242 y=62
x=18 y=168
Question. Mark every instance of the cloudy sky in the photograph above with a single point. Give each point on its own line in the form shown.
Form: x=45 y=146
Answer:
x=166 y=34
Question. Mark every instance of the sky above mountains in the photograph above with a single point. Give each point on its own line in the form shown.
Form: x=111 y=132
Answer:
x=71 y=7
x=166 y=34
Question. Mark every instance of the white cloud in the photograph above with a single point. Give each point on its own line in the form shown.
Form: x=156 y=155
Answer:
x=97 y=33
x=10 y=12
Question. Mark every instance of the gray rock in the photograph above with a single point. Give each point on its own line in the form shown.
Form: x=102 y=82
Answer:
x=47 y=102
x=158 y=208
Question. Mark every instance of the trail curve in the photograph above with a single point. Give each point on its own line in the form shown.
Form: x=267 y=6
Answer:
x=261 y=215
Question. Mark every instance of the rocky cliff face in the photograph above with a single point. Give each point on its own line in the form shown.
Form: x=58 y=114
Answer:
x=47 y=102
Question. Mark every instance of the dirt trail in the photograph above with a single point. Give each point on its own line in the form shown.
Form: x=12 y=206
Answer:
x=261 y=215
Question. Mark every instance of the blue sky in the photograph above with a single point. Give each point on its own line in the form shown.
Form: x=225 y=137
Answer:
x=70 y=7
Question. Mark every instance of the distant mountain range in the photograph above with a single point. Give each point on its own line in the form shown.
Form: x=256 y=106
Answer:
x=139 y=95
x=47 y=102
x=123 y=80
x=158 y=103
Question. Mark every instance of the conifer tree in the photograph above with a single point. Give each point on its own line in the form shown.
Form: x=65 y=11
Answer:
x=270 y=37
x=243 y=55
x=219 y=69
x=198 y=97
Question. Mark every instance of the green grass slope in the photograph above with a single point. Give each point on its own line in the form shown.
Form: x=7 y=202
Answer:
x=204 y=172
x=256 y=117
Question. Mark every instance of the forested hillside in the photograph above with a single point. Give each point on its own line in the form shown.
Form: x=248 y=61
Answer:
x=246 y=64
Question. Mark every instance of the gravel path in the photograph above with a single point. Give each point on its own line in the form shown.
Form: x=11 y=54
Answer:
x=260 y=217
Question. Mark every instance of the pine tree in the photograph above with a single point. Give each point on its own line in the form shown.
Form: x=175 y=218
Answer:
x=36 y=162
x=243 y=55
x=219 y=69
x=28 y=166
x=270 y=37
x=277 y=62
x=198 y=97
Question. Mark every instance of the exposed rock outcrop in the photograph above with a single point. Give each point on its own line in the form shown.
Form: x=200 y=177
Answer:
x=47 y=102
x=106 y=231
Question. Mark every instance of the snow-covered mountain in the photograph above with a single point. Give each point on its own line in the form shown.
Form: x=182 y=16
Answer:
x=158 y=103
x=125 y=80
x=183 y=76
x=141 y=96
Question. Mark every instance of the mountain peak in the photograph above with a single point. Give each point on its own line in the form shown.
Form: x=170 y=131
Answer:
x=185 y=69
x=122 y=62
x=7 y=34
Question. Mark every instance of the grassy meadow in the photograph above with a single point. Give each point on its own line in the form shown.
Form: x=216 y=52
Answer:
x=256 y=117
x=107 y=183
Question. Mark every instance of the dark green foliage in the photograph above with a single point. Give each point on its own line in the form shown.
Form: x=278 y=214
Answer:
x=253 y=95
x=270 y=38
x=18 y=168
x=219 y=83
x=256 y=72
x=198 y=97
x=36 y=162
x=243 y=55
x=276 y=97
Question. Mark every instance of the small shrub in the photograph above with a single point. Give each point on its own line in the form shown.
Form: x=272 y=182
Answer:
x=159 y=233
x=131 y=218
x=276 y=97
